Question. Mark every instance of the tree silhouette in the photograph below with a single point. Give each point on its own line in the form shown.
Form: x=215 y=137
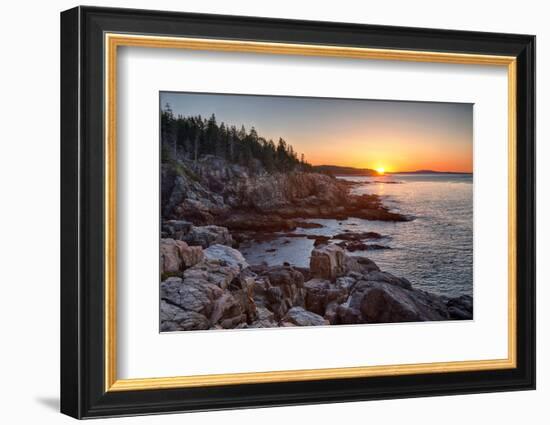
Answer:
x=193 y=136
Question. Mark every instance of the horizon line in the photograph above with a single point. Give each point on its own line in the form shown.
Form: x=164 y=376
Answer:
x=426 y=170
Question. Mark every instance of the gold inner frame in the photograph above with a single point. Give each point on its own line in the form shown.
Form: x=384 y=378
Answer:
x=113 y=41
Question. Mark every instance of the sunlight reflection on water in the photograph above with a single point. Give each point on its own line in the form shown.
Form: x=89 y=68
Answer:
x=434 y=251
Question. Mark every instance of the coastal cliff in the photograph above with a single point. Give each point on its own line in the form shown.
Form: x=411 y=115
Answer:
x=214 y=191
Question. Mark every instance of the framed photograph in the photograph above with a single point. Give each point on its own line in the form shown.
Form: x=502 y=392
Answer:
x=261 y=212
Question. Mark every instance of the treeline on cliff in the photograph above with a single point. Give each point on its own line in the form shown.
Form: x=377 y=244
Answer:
x=194 y=136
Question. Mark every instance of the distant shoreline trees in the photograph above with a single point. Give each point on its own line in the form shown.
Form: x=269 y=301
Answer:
x=194 y=136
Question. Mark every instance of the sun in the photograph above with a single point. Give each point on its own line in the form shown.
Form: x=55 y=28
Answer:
x=380 y=170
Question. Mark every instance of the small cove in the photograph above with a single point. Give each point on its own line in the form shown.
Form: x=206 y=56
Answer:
x=434 y=251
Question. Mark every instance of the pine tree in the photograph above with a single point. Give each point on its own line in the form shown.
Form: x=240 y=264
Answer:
x=194 y=136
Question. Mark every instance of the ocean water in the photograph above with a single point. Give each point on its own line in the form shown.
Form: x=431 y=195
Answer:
x=434 y=250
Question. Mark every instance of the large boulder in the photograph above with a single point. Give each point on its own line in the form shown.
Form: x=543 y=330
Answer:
x=226 y=255
x=328 y=262
x=384 y=302
x=361 y=265
x=331 y=262
x=379 y=276
x=206 y=236
x=298 y=316
x=175 y=256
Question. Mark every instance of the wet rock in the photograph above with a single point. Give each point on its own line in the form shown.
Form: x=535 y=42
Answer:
x=308 y=225
x=369 y=207
x=357 y=236
x=361 y=246
x=297 y=316
x=375 y=246
x=318 y=239
x=206 y=236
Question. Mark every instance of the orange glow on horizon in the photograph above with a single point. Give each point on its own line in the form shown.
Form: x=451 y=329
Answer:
x=392 y=153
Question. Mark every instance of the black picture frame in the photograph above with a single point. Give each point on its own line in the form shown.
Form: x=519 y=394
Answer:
x=83 y=392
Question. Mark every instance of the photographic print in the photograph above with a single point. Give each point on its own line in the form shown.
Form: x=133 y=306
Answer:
x=281 y=211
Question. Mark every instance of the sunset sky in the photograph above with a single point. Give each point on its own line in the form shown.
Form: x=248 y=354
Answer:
x=393 y=135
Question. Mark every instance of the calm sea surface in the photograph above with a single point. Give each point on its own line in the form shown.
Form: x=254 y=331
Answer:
x=434 y=251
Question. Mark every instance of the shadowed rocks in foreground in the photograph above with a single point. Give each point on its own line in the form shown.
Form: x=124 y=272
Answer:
x=221 y=291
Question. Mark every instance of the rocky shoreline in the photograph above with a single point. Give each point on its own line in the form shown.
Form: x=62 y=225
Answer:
x=209 y=207
x=213 y=191
x=215 y=288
